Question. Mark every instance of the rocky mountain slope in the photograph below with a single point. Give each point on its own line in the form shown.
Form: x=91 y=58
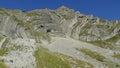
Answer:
x=61 y=38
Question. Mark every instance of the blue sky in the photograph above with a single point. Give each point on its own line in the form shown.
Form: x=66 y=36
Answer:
x=108 y=9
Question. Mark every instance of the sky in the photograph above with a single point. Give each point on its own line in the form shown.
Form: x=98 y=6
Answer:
x=108 y=9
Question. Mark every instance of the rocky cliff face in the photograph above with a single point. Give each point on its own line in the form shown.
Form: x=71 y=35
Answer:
x=62 y=22
x=38 y=26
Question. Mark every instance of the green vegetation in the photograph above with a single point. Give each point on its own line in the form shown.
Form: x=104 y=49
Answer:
x=32 y=13
x=114 y=38
x=75 y=26
x=99 y=57
x=111 y=64
x=15 y=47
x=1 y=37
x=109 y=43
x=4 y=11
x=2 y=65
x=7 y=41
x=14 y=12
x=69 y=16
x=92 y=54
x=37 y=35
x=3 y=51
x=111 y=29
x=21 y=22
x=116 y=56
x=85 y=28
x=102 y=44
x=99 y=43
x=75 y=62
x=102 y=20
x=46 y=59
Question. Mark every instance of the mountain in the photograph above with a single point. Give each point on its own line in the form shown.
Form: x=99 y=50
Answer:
x=61 y=38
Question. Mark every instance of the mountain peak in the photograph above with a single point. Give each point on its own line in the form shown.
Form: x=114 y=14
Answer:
x=69 y=36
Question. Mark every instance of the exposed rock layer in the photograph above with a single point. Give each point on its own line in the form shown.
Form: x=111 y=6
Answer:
x=18 y=28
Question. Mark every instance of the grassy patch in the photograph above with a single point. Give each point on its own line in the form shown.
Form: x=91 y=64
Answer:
x=109 y=43
x=21 y=22
x=100 y=58
x=111 y=64
x=102 y=21
x=114 y=38
x=102 y=44
x=116 y=56
x=2 y=65
x=3 y=51
x=92 y=54
x=7 y=41
x=1 y=37
x=85 y=28
x=32 y=13
x=4 y=11
x=74 y=27
x=13 y=47
x=75 y=62
x=46 y=59
x=99 y=43
x=37 y=35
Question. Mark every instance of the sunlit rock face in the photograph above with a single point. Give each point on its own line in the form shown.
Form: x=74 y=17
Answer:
x=63 y=22
x=23 y=32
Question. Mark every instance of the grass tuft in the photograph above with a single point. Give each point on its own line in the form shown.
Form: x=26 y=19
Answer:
x=3 y=51
x=1 y=37
x=2 y=65
x=116 y=56
x=92 y=54
x=46 y=59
